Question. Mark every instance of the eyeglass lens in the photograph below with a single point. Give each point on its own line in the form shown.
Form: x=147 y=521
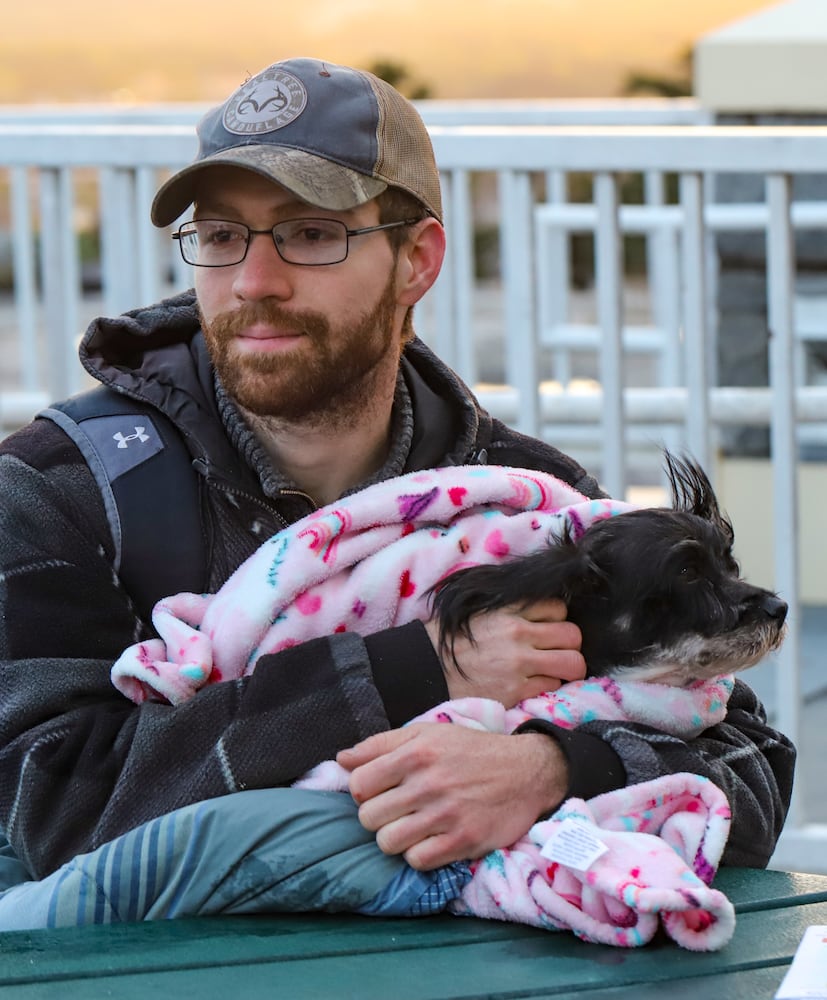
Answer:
x=216 y=243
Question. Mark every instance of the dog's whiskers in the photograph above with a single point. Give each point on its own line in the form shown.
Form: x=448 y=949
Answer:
x=698 y=657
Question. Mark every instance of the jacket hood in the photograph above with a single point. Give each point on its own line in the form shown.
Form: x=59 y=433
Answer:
x=158 y=355
x=138 y=352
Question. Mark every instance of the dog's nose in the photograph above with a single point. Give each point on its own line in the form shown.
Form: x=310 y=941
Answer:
x=775 y=608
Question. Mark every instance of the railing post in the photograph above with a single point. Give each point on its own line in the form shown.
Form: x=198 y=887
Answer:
x=784 y=451
x=695 y=318
x=439 y=301
x=146 y=238
x=118 y=252
x=662 y=270
x=609 y=271
x=461 y=247
x=58 y=257
x=25 y=294
x=554 y=275
x=516 y=242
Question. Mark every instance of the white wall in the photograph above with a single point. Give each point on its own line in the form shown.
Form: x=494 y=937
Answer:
x=773 y=61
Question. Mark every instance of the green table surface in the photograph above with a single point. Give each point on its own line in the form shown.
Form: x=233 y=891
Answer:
x=433 y=958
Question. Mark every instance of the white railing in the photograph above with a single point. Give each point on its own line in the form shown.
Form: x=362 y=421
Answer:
x=579 y=111
x=45 y=150
x=527 y=323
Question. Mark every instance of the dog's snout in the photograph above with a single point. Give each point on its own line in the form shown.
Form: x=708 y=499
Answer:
x=775 y=608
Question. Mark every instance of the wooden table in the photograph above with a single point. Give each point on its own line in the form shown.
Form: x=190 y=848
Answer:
x=321 y=956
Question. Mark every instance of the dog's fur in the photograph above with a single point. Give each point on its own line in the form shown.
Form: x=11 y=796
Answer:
x=656 y=592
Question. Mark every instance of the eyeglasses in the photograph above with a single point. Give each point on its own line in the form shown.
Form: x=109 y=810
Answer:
x=309 y=242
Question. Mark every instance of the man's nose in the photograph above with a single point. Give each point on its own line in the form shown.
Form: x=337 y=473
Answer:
x=263 y=274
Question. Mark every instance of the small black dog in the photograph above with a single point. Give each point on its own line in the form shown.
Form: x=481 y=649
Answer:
x=656 y=592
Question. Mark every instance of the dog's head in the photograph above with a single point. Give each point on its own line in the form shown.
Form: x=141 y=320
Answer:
x=656 y=592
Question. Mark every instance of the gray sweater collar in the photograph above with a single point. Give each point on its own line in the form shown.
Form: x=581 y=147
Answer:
x=274 y=481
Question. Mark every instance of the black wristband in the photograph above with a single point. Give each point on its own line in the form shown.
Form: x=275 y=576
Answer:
x=406 y=670
x=594 y=767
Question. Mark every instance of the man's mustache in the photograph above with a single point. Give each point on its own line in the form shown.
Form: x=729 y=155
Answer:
x=236 y=321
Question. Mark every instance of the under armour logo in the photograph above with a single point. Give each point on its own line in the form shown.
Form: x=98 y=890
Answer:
x=123 y=440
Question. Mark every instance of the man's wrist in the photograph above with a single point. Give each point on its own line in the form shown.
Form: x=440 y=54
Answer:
x=593 y=767
x=549 y=771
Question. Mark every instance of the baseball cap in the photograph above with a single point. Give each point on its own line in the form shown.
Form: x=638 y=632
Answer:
x=334 y=136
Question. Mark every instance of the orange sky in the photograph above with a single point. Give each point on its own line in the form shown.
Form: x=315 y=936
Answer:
x=54 y=50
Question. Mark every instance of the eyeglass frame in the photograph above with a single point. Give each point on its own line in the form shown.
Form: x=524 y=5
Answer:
x=177 y=235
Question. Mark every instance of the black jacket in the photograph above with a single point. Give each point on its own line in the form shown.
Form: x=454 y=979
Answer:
x=79 y=764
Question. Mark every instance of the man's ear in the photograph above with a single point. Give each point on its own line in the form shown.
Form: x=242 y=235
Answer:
x=419 y=261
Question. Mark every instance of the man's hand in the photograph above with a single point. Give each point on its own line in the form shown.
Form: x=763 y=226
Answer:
x=516 y=653
x=437 y=793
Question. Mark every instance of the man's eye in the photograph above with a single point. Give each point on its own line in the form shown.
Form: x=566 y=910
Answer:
x=219 y=237
x=309 y=231
x=315 y=234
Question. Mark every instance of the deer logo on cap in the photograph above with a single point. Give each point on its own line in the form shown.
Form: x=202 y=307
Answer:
x=265 y=103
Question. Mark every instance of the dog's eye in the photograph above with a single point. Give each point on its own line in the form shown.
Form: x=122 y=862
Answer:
x=690 y=574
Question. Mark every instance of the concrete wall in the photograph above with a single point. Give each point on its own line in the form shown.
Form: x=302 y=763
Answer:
x=744 y=488
x=771 y=61
x=762 y=77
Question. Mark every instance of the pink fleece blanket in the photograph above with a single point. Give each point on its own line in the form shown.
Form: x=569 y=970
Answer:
x=368 y=562
x=364 y=563
x=655 y=847
x=660 y=841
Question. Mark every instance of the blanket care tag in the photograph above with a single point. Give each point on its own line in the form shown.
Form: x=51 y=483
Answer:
x=576 y=844
x=806 y=979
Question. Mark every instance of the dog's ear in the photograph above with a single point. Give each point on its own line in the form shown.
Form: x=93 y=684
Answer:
x=562 y=570
x=692 y=492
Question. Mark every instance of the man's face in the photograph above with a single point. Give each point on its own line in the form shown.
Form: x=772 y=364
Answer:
x=296 y=342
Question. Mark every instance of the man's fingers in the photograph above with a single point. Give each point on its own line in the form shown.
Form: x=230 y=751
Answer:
x=551 y=610
x=453 y=793
x=371 y=748
x=558 y=664
x=402 y=833
x=425 y=837
x=432 y=852
x=385 y=761
x=384 y=813
x=557 y=635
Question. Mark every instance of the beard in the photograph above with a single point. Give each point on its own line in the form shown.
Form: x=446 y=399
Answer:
x=333 y=381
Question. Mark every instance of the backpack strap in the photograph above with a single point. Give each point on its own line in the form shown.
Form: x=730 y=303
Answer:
x=150 y=491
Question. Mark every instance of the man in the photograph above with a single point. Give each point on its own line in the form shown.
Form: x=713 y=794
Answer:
x=294 y=377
